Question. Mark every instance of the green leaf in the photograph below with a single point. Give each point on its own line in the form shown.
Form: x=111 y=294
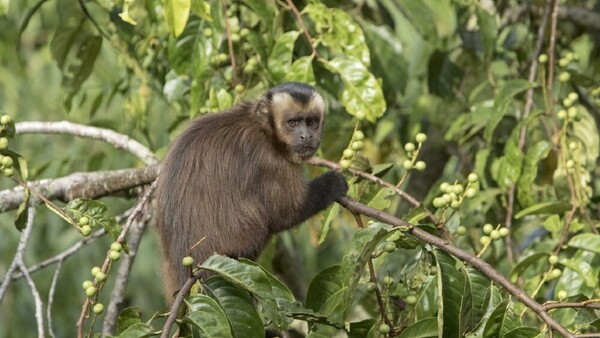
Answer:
x=332 y=214
x=444 y=75
x=450 y=284
x=128 y=317
x=362 y=94
x=201 y=9
x=266 y=10
x=238 y=306
x=23 y=211
x=280 y=60
x=488 y=30
x=544 y=208
x=381 y=200
x=272 y=294
x=478 y=284
x=589 y=242
x=529 y=172
x=208 y=317
x=585 y=129
x=424 y=328
x=302 y=71
x=139 y=330
x=502 y=320
x=505 y=96
x=338 y=31
x=177 y=13
x=525 y=263
x=358 y=251
x=326 y=291
x=523 y=332
x=554 y=225
x=63 y=40
x=95 y=211
x=81 y=67
x=492 y=299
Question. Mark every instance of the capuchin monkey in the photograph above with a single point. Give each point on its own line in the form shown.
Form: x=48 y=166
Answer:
x=234 y=178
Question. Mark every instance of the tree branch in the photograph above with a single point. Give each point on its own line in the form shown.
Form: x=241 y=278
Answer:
x=119 y=141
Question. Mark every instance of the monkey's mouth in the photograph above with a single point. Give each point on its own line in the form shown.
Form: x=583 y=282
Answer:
x=305 y=151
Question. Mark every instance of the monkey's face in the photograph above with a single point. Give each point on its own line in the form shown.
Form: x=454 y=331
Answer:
x=298 y=124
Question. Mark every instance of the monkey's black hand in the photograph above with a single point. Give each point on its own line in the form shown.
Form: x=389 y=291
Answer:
x=327 y=188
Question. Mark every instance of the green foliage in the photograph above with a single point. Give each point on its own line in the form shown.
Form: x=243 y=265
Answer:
x=433 y=97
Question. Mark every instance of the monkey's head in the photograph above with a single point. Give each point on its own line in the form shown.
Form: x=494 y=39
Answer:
x=295 y=113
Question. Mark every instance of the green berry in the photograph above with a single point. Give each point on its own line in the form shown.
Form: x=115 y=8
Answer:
x=562 y=294
x=555 y=273
x=438 y=202
x=100 y=276
x=244 y=32
x=360 y=115
x=95 y=270
x=461 y=230
x=3 y=143
x=252 y=61
x=348 y=153
x=207 y=32
x=471 y=192
x=86 y=230
x=495 y=234
x=389 y=247
x=455 y=204
x=553 y=259
x=239 y=88
x=504 y=231
x=187 y=261
x=562 y=114
x=357 y=145
x=485 y=240
x=83 y=221
x=384 y=329
x=420 y=166
x=407 y=164
x=114 y=255
x=458 y=189
x=573 y=145
x=409 y=147
x=116 y=246
x=444 y=187
x=91 y=291
x=572 y=113
x=411 y=300
x=570 y=164
x=564 y=77
x=8 y=171
x=345 y=164
x=487 y=228
x=388 y=280
x=5 y=119
x=358 y=135
x=371 y=287
x=573 y=96
x=447 y=198
x=472 y=178
x=98 y=308
x=421 y=138
x=86 y=284
x=7 y=161
x=563 y=62
x=543 y=58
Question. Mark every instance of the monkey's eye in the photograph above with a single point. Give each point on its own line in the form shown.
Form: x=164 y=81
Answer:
x=293 y=123
x=311 y=122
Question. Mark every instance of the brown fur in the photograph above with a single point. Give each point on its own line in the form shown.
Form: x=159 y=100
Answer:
x=235 y=178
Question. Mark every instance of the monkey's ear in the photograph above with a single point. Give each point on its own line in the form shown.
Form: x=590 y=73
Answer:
x=262 y=111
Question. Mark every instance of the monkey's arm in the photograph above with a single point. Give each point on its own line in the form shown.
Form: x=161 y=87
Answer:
x=321 y=192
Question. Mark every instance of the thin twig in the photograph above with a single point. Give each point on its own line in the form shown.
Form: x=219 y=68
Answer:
x=51 y=298
x=229 y=44
x=185 y=289
x=303 y=27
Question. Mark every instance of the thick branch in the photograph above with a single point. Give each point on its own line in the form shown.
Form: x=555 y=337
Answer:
x=119 y=141
x=81 y=185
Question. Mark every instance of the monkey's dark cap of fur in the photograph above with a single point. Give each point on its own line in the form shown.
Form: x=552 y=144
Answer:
x=301 y=92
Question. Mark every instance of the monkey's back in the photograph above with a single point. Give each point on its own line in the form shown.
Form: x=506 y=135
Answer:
x=224 y=180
